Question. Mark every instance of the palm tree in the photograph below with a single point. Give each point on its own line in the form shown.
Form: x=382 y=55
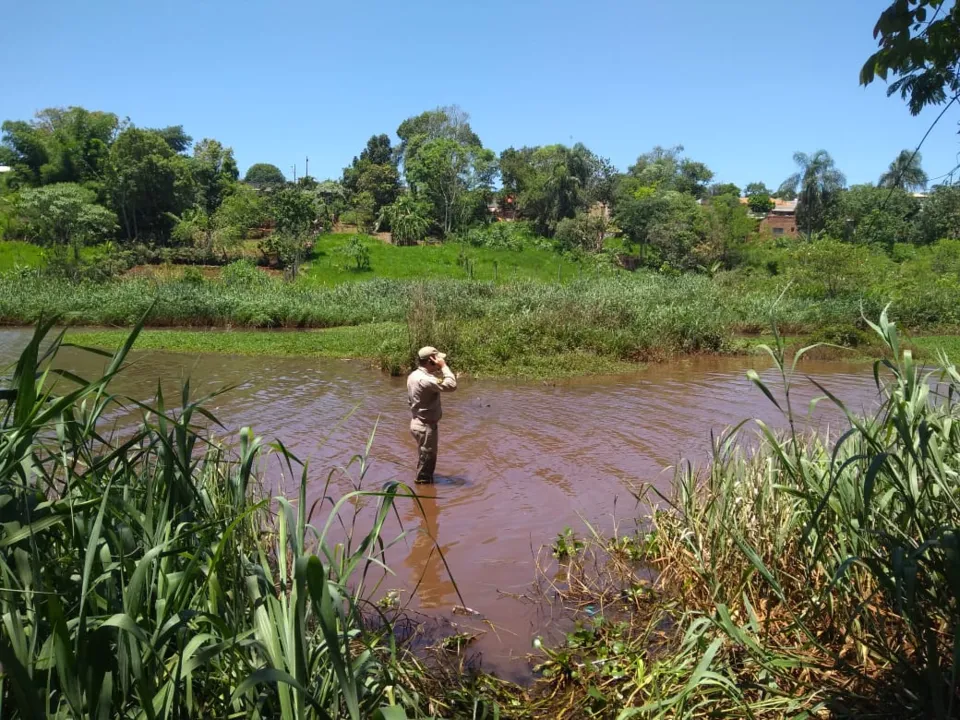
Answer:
x=815 y=183
x=905 y=173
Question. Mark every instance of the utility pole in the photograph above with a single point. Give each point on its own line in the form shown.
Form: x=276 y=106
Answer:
x=306 y=170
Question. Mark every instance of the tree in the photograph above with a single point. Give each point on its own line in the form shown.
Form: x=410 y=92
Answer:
x=242 y=210
x=378 y=151
x=382 y=182
x=555 y=182
x=175 y=138
x=294 y=210
x=25 y=151
x=214 y=171
x=756 y=188
x=760 y=203
x=872 y=215
x=364 y=209
x=442 y=123
x=919 y=44
x=665 y=169
x=193 y=228
x=940 y=215
x=816 y=183
x=726 y=226
x=375 y=173
x=147 y=183
x=264 y=175
x=59 y=145
x=408 y=219
x=828 y=268
x=676 y=229
x=332 y=196
x=585 y=231
x=453 y=178
x=65 y=215
x=667 y=221
x=718 y=189
x=905 y=172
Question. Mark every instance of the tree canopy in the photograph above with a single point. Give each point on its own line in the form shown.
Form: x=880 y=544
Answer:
x=59 y=145
x=443 y=123
x=147 y=183
x=264 y=174
x=666 y=169
x=454 y=179
x=65 y=215
x=554 y=182
x=816 y=183
x=372 y=182
x=905 y=172
x=919 y=45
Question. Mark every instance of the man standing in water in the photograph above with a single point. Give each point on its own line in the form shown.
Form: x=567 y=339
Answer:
x=424 y=386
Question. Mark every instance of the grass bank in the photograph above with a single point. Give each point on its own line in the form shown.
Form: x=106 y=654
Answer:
x=350 y=342
x=20 y=254
x=331 y=264
x=360 y=342
x=529 y=329
x=525 y=328
x=15 y=253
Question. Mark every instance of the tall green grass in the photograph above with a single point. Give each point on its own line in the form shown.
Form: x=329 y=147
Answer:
x=143 y=573
x=804 y=575
x=509 y=328
x=490 y=326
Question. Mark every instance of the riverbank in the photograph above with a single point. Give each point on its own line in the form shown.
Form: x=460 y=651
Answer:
x=360 y=342
x=366 y=342
x=522 y=329
x=529 y=329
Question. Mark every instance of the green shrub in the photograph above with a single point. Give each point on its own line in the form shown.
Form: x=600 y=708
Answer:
x=844 y=335
x=828 y=268
x=514 y=236
x=192 y=276
x=359 y=255
x=243 y=273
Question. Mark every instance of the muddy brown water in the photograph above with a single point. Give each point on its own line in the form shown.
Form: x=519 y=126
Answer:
x=519 y=461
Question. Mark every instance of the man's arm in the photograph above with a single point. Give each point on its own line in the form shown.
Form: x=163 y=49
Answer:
x=448 y=383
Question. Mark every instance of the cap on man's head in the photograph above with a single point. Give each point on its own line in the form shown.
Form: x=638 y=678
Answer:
x=429 y=351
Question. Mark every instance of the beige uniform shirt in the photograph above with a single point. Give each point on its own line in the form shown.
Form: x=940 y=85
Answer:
x=423 y=391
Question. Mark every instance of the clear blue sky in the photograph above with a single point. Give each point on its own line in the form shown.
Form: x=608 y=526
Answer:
x=741 y=84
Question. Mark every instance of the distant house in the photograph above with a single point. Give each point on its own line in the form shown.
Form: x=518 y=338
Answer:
x=502 y=211
x=780 y=221
x=600 y=209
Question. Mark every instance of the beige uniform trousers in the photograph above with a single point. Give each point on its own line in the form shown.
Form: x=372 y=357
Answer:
x=428 y=438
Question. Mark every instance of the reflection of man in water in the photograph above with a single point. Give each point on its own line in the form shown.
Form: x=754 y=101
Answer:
x=424 y=386
x=424 y=561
